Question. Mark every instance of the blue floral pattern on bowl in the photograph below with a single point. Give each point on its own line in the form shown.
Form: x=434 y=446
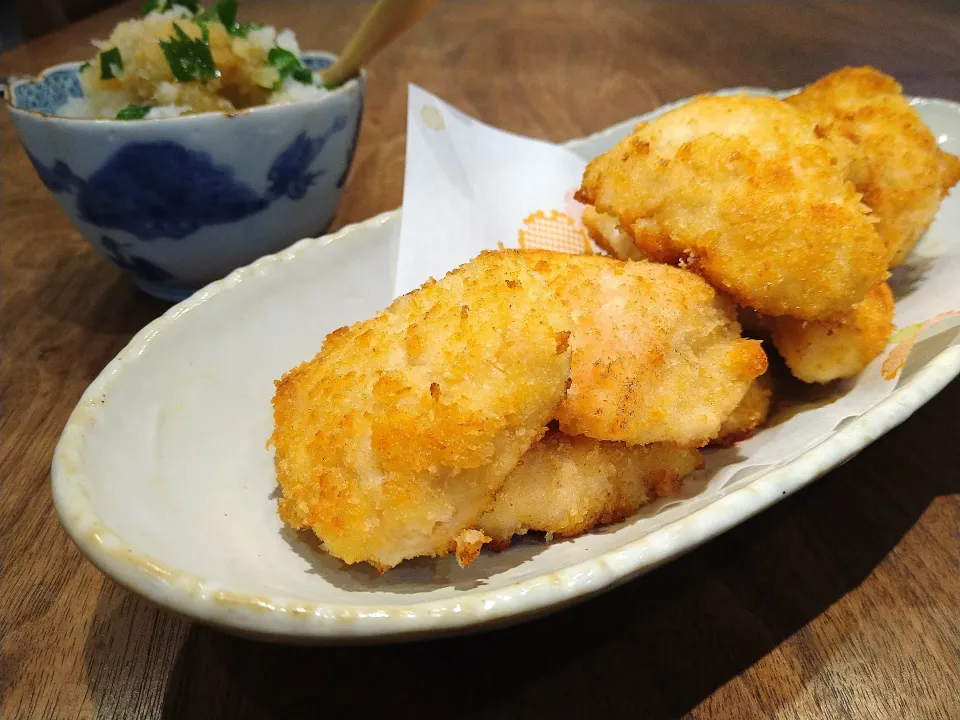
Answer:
x=48 y=93
x=163 y=190
x=180 y=202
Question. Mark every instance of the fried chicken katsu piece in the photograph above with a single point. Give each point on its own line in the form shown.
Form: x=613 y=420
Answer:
x=568 y=485
x=605 y=231
x=894 y=160
x=393 y=441
x=657 y=352
x=754 y=408
x=744 y=192
x=749 y=415
x=818 y=352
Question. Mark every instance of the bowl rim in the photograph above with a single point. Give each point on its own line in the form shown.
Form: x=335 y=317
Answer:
x=15 y=81
x=288 y=619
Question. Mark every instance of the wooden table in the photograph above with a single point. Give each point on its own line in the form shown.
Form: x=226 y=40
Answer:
x=841 y=602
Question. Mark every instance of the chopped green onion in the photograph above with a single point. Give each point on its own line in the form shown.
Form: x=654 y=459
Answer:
x=190 y=58
x=287 y=64
x=83 y=67
x=133 y=112
x=111 y=64
x=303 y=75
x=226 y=11
x=154 y=6
x=284 y=61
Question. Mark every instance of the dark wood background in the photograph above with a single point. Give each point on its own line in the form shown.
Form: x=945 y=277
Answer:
x=841 y=602
x=26 y=19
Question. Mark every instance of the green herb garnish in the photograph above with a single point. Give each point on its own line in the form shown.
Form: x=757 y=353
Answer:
x=133 y=112
x=83 y=67
x=226 y=11
x=190 y=58
x=283 y=61
x=288 y=65
x=111 y=64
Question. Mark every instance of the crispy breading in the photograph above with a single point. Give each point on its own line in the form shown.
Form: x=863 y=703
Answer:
x=657 y=352
x=567 y=485
x=749 y=415
x=744 y=192
x=605 y=231
x=894 y=160
x=818 y=352
x=949 y=172
x=397 y=436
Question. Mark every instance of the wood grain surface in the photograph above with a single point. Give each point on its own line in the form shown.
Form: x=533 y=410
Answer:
x=841 y=602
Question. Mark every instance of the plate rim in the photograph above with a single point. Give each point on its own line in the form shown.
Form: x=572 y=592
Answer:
x=292 y=620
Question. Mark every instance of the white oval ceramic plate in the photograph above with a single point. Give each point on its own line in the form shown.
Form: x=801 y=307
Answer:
x=163 y=480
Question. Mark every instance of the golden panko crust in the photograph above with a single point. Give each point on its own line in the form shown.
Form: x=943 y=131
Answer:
x=396 y=437
x=657 y=352
x=568 y=485
x=745 y=192
x=818 y=352
x=893 y=157
x=749 y=415
x=605 y=231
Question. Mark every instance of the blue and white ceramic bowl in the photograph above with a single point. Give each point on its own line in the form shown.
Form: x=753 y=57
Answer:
x=180 y=202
